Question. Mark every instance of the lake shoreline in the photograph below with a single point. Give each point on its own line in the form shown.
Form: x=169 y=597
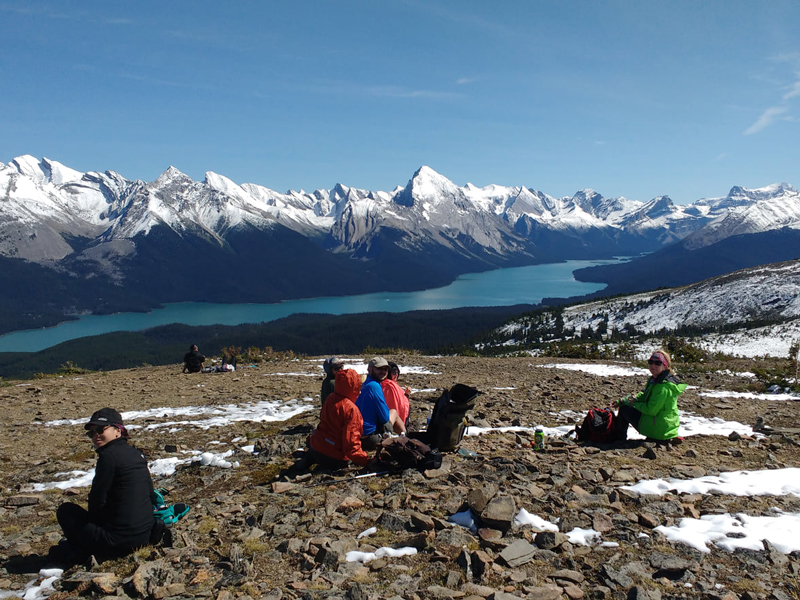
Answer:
x=527 y=285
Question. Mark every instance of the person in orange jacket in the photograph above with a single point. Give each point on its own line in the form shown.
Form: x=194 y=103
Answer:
x=337 y=438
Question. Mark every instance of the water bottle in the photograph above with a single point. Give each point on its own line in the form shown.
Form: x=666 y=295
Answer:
x=538 y=439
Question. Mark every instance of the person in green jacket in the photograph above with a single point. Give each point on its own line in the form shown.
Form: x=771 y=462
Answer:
x=653 y=412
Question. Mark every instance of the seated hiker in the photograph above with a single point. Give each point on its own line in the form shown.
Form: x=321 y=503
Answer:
x=378 y=417
x=396 y=396
x=654 y=411
x=337 y=438
x=193 y=360
x=120 y=516
x=330 y=366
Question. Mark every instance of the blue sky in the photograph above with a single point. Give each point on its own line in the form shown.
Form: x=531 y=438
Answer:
x=633 y=99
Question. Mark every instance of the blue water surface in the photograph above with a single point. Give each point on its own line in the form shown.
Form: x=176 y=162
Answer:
x=502 y=287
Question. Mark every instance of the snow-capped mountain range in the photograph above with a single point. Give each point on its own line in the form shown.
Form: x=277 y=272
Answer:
x=108 y=243
x=54 y=202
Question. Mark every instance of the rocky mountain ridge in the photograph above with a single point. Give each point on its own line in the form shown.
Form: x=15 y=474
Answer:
x=252 y=535
x=764 y=294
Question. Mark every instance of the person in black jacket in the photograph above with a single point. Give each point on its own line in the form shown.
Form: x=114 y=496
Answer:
x=120 y=516
x=193 y=360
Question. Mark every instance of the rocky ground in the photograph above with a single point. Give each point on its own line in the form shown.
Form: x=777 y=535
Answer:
x=252 y=535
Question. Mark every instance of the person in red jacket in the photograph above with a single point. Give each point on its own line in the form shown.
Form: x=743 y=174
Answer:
x=396 y=396
x=337 y=439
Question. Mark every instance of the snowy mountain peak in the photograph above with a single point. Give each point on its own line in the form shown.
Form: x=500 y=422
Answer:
x=45 y=170
x=172 y=176
x=426 y=185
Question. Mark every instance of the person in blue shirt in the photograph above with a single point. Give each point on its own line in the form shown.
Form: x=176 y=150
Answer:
x=378 y=417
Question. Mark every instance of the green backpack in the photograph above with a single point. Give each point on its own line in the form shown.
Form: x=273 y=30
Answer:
x=168 y=513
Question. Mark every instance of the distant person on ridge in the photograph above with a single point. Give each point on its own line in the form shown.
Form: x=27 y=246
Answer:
x=120 y=516
x=330 y=366
x=193 y=360
x=653 y=412
x=396 y=396
x=378 y=417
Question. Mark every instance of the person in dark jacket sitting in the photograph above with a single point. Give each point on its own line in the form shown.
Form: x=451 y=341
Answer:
x=193 y=360
x=331 y=366
x=120 y=516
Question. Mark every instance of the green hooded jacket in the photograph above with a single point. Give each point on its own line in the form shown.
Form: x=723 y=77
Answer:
x=658 y=404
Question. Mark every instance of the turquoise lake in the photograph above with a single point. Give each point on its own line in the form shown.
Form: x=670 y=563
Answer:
x=502 y=287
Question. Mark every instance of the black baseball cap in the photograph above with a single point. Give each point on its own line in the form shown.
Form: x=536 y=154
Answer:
x=104 y=416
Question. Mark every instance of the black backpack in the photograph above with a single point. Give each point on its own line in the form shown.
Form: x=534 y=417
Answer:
x=448 y=420
x=401 y=453
x=599 y=426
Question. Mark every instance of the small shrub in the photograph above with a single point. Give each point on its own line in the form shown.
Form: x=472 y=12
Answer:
x=684 y=351
x=69 y=368
x=265 y=475
x=254 y=546
x=207 y=525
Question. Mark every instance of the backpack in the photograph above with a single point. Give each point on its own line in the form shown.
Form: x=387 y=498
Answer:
x=168 y=513
x=401 y=453
x=448 y=420
x=598 y=427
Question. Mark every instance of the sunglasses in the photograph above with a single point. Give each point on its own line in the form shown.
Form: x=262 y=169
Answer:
x=98 y=430
x=654 y=362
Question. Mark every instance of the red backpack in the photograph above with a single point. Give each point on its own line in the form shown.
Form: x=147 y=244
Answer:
x=598 y=426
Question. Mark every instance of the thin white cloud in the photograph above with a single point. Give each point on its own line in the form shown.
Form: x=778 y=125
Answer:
x=380 y=91
x=52 y=13
x=465 y=80
x=793 y=92
x=767 y=118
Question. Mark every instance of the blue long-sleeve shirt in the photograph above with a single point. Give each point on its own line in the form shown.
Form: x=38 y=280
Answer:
x=372 y=405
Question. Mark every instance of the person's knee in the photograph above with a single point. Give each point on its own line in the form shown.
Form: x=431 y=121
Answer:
x=396 y=421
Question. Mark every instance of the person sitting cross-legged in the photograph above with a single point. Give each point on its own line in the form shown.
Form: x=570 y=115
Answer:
x=337 y=439
x=378 y=417
x=120 y=516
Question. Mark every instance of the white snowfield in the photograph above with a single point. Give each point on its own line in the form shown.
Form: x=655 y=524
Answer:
x=767 y=293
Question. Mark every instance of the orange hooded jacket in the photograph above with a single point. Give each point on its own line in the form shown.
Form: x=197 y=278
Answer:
x=338 y=434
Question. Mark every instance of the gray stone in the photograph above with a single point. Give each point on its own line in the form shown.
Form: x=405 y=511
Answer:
x=422 y=522
x=453 y=579
x=151 y=575
x=478 y=498
x=504 y=596
x=617 y=578
x=547 y=540
x=500 y=513
x=518 y=553
x=464 y=561
x=438 y=591
x=356 y=592
x=668 y=565
x=480 y=562
x=640 y=593
x=22 y=500
x=327 y=558
x=568 y=575
x=392 y=522
x=544 y=592
x=457 y=536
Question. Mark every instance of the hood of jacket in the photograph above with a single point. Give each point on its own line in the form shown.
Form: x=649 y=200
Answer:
x=347 y=384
